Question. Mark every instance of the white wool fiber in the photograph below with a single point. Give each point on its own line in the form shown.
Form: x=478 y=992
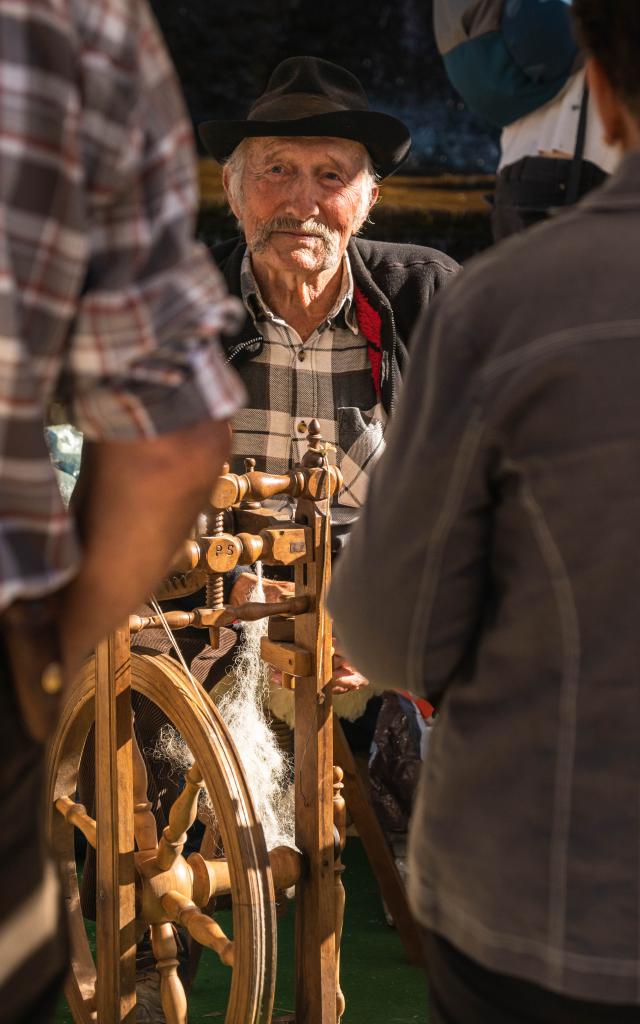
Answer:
x=171 y=748
x=267 y=767
x=242 y=705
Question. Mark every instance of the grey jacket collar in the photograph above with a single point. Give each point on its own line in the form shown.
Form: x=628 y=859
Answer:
x=621 y=191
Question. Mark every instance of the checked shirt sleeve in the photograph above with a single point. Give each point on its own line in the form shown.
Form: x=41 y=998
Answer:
x=143 y=358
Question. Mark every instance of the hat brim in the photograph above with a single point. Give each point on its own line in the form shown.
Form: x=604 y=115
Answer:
x=386 y=138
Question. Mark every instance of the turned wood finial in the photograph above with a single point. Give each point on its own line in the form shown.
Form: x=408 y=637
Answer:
x=249 y=467
x=339 y=806
x=314 y=457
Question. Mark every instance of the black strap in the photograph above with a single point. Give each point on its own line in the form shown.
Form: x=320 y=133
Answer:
x=575 y=174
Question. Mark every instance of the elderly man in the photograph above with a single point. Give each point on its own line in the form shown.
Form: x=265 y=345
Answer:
x=328 y=314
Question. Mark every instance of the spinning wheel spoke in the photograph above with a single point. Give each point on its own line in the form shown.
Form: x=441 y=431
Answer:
x=181 y=817
x=144 y=823
x=203 y=929
x=76 y=814
x=172 y=994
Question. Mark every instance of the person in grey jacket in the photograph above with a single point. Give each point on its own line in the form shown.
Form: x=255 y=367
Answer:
x=496 y=570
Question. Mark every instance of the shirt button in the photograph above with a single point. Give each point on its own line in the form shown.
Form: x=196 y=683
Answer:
x=302 y=355
x=302 y=427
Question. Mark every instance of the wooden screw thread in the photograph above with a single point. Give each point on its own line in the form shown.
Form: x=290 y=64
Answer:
x=214 y=591
x=214 y=587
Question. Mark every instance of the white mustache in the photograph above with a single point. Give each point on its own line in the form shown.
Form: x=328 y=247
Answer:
x=303 y=227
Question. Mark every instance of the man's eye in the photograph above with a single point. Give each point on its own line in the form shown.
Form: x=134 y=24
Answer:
x=276 y=169
x=332 y=175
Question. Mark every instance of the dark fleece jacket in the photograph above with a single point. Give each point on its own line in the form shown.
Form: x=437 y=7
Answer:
x=392 y=284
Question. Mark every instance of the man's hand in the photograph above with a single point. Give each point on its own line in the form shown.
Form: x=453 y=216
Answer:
x=345 y=677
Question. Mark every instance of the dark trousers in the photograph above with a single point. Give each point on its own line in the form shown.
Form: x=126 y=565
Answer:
x=30 y=989
x=535 y=188
x=463 y=992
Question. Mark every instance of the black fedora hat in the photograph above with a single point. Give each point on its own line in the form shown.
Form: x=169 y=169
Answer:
x=307 y=96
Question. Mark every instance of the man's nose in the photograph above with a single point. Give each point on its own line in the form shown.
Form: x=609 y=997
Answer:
x=302 y=200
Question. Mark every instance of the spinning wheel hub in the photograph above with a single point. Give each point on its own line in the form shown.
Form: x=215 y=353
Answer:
x=152 y=883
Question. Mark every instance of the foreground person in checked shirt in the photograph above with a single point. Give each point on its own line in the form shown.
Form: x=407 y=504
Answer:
x=105 y=297
x=496 y=570
x=328 y=315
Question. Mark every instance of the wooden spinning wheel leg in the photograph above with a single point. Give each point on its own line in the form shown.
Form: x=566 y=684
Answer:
x=115 y=898
x=172 y=994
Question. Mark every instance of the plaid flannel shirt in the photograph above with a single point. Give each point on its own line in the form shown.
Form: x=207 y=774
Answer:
x=327 y=377
x=103 y=292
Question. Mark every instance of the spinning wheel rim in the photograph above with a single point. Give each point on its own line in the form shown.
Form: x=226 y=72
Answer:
x=197 y=719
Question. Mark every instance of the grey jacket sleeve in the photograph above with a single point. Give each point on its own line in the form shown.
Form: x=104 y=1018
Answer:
x=408 y=590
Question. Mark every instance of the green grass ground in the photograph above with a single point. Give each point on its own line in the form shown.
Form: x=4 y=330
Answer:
x=379 y=985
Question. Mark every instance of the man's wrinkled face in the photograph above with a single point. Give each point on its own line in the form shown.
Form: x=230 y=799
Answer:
x=301 y=200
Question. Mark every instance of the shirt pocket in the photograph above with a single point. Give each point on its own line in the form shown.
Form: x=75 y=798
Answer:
x=360 y=445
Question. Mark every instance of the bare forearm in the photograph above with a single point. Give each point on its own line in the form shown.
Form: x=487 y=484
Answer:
x=137 y=501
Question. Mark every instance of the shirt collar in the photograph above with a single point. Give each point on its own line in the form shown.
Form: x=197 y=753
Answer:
x=342 y=313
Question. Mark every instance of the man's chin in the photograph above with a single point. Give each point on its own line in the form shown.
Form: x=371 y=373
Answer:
x=299 y=257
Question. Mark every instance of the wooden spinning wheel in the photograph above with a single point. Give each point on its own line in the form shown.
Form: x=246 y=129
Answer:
x=157 y=885
x=144 y=881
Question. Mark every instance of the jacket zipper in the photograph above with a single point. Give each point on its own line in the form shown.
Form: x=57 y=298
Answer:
x=390 y=358
x=240 y=348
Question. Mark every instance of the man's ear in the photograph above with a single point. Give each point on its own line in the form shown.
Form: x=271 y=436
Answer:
x=233 y=206
x=375 y=195
x=611 y=108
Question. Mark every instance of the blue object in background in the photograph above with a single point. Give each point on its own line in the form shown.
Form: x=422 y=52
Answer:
x=506 y=58
x=65 y=448
x=539 y=36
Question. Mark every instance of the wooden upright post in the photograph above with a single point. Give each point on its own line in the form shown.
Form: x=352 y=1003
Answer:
x=315 y=897
x=115 y=896
x=377 y=849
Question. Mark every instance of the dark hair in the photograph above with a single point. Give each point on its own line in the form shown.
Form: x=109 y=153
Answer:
x=610 y=30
